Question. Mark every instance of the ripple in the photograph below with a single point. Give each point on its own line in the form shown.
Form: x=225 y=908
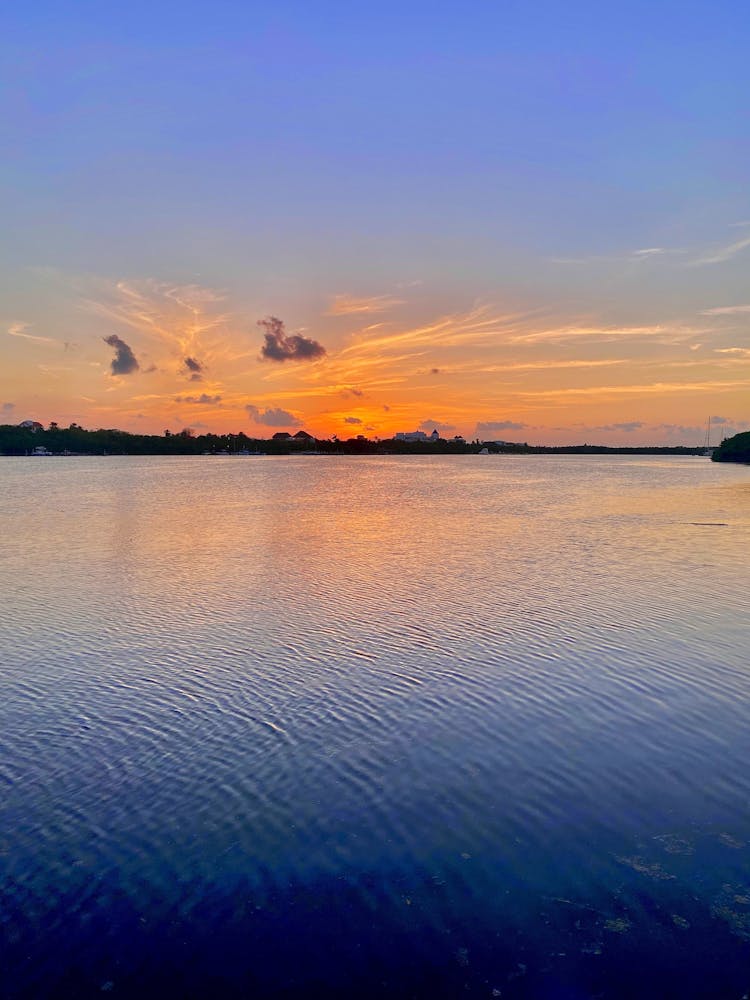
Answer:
x=265 y=704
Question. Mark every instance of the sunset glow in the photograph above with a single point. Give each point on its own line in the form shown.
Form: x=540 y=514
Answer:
x=547 y=297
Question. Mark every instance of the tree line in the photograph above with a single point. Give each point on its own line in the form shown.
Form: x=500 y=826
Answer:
x=76 y=440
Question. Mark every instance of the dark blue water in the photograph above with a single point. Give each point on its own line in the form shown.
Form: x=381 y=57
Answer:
x=394 y=727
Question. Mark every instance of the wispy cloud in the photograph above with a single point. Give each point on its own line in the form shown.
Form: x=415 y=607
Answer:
x=632 y=256
x=348 y=305
x=177 y=320
x=721 y=254
x=626 y=390
x=726 y=310
x=661 y=333
x=20 y=330
x=740 y=352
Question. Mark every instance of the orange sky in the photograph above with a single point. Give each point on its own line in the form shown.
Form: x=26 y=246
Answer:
x=393 y=361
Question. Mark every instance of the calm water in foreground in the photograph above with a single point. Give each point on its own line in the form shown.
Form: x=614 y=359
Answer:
x=398 y=727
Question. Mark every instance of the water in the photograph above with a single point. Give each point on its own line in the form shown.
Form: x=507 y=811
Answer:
x=398 y=727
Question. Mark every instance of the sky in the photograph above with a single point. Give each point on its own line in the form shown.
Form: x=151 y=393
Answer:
x=514 y=221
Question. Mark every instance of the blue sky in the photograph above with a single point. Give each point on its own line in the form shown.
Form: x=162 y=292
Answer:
x=518 y=154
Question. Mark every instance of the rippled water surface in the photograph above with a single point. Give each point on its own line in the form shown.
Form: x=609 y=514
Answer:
x=398 y=727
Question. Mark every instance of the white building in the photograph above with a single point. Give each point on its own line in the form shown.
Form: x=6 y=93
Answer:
x=416 y=436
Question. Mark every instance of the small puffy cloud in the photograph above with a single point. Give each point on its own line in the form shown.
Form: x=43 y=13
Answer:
x=434 y=425
x=281 y=346
x=628 y=426
x=124 y=362
x=721 y=420
x=272 y=417
x=493 y=426
x=434 y=371
x=194 y=369
x=8 y=408
x=386 y=408
x=351 y=390
x=352 y=420
x=203 y=398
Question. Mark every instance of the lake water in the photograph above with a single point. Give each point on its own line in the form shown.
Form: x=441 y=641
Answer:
x=390 y=727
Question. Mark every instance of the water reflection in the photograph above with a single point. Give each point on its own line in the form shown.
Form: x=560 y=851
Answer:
x=466 y=724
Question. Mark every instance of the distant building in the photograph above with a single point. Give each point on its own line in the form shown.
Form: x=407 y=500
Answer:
x=417 y=436
x=282 y=436
x=303 y=436
x=31 y=425
x=410 y=436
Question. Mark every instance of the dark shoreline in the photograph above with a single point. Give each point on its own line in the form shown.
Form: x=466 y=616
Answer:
x=75 y=441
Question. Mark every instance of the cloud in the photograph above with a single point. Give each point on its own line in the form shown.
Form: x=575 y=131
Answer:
x=348 y=305
x=722 y=254
x=721 y=420
x=694 y=434
x=194 y=369
x=203 y=398
x=657 y=333
x=628 y=426
x=642 y=254
x=434 y=425
x=725 y=310
x=434 y=371
x=8 y=407
x=124 y=361
x=743 y=352
x=19 y=330
x=272 y=417
x=281 y=346
x=352 y=420
x=492 y=426
x=386 y=408
x=350 y=390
